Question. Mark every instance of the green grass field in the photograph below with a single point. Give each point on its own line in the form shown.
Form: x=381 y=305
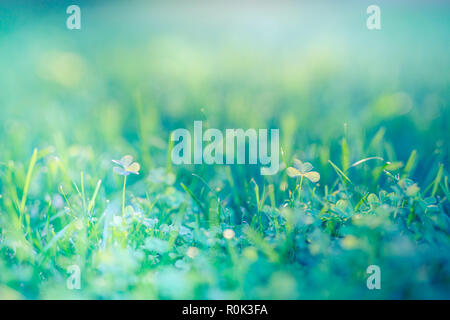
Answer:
x=369 y=110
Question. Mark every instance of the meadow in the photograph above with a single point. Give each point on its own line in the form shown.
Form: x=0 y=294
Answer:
x=369 y=110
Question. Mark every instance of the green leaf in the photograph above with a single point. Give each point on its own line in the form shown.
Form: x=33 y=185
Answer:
x=357 y=163
x=120 y=171
x=134 y=168
x=313 y=176
x=393 y=166
x=197 y=201
x=345 y=157
x=298 y=164
x=307 y=167
x=303 y=167
x=339 y=171
x=293 y=172
x=126 y=161
x=27 y=183
x=437 y=179
x=410 y=163
x=372 y=199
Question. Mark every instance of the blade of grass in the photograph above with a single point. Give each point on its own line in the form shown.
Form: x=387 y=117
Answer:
x=27 y=184
x=437 y=180
x=357 y=163
x=94 y=196
x=339 y=171
x=197 y=201
x=410 y=163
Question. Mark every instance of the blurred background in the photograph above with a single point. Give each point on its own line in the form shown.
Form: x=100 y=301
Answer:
x=306 y=68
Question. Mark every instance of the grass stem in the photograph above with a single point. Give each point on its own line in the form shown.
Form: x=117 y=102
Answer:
x=27 y=184
x=300 y=189
x=123 y=195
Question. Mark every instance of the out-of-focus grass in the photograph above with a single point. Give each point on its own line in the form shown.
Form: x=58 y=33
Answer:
x=338 y=93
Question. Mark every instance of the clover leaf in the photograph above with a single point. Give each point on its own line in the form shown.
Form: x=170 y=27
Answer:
x=127 y=166
x=303 y=169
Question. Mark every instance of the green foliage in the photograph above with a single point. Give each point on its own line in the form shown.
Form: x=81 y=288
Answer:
x=378 y=194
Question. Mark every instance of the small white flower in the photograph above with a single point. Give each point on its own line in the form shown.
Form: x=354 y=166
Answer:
x=228 y=234
x=192 y=252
